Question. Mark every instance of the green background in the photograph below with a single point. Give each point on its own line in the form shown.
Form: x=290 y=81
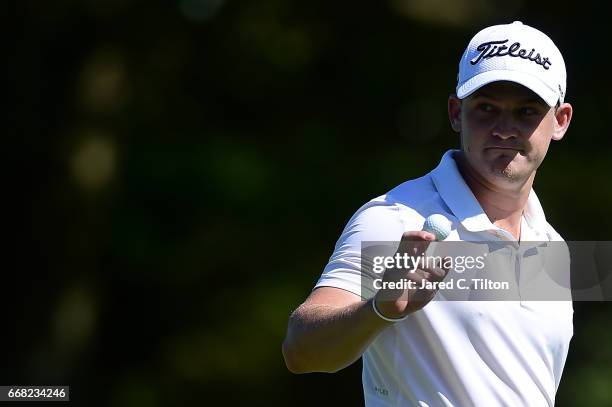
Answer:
x=184 y=168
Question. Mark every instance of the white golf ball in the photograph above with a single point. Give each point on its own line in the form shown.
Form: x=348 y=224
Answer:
x=439 y=225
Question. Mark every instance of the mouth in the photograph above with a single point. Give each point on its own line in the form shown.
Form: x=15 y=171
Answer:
x=507 y=148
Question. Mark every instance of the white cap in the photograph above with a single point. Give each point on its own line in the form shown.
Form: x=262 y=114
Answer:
x=513 y=52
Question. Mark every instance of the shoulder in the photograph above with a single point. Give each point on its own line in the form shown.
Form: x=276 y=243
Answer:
x=553 y=235
x=546 y=229
x=387 y=216
x=534 y=213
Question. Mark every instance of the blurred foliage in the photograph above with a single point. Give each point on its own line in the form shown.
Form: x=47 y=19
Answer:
x=188 y=166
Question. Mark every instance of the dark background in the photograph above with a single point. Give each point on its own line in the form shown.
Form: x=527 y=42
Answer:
x=184 y=169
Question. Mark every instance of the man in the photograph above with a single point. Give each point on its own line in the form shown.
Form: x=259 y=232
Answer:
x=509 y=104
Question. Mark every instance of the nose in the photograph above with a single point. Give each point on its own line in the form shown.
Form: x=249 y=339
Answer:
x=505 y=127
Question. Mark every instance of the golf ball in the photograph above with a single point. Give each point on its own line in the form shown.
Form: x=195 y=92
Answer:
x=439 y=225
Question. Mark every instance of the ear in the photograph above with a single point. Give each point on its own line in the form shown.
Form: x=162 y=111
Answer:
x=454 y=112
x=563 y=116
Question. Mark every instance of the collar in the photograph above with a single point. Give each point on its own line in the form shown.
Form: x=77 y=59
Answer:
x=459 y=197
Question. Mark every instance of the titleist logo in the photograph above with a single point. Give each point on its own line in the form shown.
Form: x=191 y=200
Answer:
x=497 y=49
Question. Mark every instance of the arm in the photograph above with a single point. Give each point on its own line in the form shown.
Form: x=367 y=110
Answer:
x=330 y=331
x=333 y=327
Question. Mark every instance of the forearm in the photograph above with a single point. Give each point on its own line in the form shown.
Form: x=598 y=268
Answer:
x=324 y=338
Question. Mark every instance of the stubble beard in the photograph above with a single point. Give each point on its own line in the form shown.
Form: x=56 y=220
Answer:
x=514 y=172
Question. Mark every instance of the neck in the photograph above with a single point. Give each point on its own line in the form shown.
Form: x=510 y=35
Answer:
x=503 y=204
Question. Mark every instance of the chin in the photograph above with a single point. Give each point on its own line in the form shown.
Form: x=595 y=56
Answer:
x=511 y=174
x=507 y=171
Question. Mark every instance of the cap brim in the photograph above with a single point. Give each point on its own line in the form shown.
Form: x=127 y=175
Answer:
x=550 y=96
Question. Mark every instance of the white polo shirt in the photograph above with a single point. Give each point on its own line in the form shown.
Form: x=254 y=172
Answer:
x=455 y=353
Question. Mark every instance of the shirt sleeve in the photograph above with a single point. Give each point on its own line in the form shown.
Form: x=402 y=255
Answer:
x=377 y=221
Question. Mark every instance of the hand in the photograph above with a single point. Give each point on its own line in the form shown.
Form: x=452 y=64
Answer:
x=397 y=303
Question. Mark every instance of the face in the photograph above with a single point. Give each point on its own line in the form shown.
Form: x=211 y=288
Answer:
x=505 y=131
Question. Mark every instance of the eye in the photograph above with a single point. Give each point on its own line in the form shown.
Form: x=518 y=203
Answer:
x=532 y=111
x=485 y=107
x=528 y=111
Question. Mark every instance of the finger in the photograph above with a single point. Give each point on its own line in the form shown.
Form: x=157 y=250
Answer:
x=418 y=235
x=423 y=296
x=416 y=242
x=435 y=273
x=424 y=292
